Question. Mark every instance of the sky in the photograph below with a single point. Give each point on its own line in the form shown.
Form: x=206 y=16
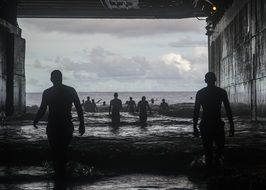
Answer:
x=106 y=55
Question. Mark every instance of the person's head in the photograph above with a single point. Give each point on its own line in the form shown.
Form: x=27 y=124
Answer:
x=92 y=100
x=163 y=100
x=116 y=95
x=83 y=101
x=88 y=98
x=143 y=98
x=210 y=78
x=56 y=77
x=130 y=98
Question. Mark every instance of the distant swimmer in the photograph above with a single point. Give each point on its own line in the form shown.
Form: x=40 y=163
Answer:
x=142 y=108
x=131 y=105
x=87 y=105
x=211 y=126
x=164 y=107
x=93 y=106
x=114 y=110
x=59 y=99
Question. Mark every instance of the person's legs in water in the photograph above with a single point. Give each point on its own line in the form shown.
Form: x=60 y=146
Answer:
x=143 y=118
x=59 y=142
x=207 y=140
x=219 y=140
x=115 y=119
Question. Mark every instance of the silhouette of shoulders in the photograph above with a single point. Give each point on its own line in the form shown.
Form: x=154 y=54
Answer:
x=212 y=92
x=60 y=99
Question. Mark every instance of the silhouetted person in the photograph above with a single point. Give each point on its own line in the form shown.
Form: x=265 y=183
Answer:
x=87 y=105
x=93 y=106
x=114 y=110
x=104 y=103
x=142 y=108
x=164 y=107
x=59 y=99
x=211 y=126
x=131 y=105
x=152 y=101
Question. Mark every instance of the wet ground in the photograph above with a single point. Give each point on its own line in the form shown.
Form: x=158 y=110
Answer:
x=129 y=157
x=133 y=181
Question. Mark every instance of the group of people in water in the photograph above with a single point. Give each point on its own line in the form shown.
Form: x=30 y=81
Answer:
x=59 y=99
x=115 y=108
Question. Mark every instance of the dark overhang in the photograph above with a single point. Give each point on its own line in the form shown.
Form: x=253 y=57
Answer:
x=109 y=9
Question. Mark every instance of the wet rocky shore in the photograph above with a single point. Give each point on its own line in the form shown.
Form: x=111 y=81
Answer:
x=132 y=156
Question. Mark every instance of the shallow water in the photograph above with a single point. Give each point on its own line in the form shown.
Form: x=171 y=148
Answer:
x=99 y=125
x=136 y=181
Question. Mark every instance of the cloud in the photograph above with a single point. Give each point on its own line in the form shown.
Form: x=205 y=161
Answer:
x=178 y=61
x=115 y=27
x=105 y=70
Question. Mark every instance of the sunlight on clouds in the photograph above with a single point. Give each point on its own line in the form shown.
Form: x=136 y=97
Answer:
x=177 y=60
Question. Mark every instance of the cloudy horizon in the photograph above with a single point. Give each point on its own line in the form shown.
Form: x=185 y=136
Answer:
x=116 y=54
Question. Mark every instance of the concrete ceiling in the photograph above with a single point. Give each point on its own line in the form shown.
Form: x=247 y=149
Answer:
x=109 y=9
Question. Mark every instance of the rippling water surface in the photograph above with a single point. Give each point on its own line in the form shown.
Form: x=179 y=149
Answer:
x=99 y=125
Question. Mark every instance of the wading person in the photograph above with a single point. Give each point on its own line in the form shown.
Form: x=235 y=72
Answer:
x=59 y=99
x=211 y=126
x=131 y=105
x=164 y=107
x=88 y=105
x=142 y=108
x=114 y=110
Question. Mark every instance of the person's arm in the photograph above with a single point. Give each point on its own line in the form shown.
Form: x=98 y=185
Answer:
x=80 y=113
x=41 y=110
x=149 y=108
x=121 y=106
x=167 y=107
x=196 y=116
x=229 y=114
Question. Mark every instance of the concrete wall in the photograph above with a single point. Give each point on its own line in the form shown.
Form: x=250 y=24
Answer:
x=238 y=55
x=12 y=72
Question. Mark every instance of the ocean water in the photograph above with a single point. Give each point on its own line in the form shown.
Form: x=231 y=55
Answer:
x=100 y=97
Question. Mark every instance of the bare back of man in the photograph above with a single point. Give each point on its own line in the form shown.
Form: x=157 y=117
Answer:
x=211 y=126
x=59 y=99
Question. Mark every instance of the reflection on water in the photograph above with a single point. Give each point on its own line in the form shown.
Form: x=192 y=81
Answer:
x=141 y=181
x=99 y=125
x=131 y=182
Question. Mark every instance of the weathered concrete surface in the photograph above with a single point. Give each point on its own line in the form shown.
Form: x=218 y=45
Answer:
x=12 y=73
x=238 y=55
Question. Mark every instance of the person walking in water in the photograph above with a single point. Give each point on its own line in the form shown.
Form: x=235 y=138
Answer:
x=114 y=110
x=87 y=105
x=131 y=105
x=211 y=126
x=93 y=106
x=59 y=99
x=142 y=107
x=164 y=107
